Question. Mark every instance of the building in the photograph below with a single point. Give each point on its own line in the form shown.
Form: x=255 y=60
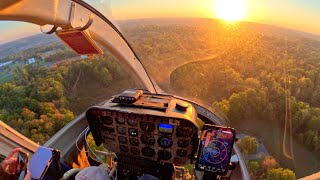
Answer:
x=31 y=60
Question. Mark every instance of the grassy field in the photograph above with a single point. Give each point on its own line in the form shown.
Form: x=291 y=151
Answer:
x=6 y=79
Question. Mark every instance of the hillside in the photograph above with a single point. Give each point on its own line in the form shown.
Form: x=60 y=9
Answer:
x=26 y=43
x=171 y=43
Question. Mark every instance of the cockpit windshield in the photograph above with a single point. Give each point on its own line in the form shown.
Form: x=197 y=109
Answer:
x=254 y=64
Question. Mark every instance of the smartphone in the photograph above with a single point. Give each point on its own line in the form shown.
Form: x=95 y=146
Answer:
x=40 y=162
x=215 y=149
x=22 y=165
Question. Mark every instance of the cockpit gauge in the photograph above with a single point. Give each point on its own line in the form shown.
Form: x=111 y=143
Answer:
x=165 y=142
x=148 y=139
x=120 y=120
x=148 y=152
x=133 y=132
x=184 y=131
x=147 y=126
x=124 y=148
x=132 y=122
x=106 y=120
x=164 y=154
x=183 y=143
x=121 y=130
x=182 y=152
x=122 y=140
x=135 y=151
x=165 y=128
x=134 y=141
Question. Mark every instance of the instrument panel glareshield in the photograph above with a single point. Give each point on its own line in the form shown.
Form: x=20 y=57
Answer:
x=167 y=135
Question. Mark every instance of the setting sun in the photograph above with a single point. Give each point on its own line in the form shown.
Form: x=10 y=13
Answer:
x=230 y=10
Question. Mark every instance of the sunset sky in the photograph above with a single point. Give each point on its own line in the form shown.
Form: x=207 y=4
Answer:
x=302 y=15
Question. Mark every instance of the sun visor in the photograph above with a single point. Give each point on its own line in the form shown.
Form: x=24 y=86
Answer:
x=79 y=41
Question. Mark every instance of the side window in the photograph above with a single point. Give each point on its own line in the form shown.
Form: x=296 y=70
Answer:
x=44 y=84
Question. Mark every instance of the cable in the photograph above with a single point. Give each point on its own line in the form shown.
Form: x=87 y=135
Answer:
x=79 y=138
x=89 y=147
x=97 y=157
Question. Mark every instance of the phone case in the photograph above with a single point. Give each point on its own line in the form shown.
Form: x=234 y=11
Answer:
x=40 y=162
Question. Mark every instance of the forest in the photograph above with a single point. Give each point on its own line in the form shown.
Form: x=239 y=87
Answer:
x=41 y=100
x=261 y=79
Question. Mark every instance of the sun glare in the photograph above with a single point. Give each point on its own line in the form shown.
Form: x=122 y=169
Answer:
x=230 y=10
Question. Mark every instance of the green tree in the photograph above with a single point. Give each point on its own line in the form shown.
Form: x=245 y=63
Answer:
x=254 y=167
x=248 y=145
x=280 y=174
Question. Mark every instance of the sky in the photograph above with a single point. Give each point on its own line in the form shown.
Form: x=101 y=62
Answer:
x=303 y=15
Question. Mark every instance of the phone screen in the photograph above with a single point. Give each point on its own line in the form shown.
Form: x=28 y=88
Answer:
x=215 y=149
x=22 y=165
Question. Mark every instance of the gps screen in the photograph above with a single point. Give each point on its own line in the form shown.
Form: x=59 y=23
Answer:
x=215 y=150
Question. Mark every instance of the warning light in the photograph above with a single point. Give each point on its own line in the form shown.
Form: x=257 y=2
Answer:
x=79 y=41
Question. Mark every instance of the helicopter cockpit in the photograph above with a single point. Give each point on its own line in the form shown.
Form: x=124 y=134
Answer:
x=149 y=132
x=145 y=131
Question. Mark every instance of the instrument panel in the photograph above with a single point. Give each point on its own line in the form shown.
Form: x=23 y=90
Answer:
x=157 y=138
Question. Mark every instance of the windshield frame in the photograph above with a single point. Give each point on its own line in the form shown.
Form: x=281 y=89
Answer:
x=70 y=14
x=118 y=46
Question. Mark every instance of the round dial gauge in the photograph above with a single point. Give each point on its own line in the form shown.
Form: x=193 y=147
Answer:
x=132 y=122
x=122 y=140
x=147 y=126
x=184 y=131
x=183 y=143
x=182 y=152
x=120 y=120
x=106 y=120
x=164 y=155
x=135 y=151
x=165 y=142
x=133 y=132
x=121 y=130
x=124 y=148
x=147 y=139
x=134 y=142
x=148 y=152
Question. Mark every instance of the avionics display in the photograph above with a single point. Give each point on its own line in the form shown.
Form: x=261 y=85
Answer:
x=165 y=128
x=215 y=149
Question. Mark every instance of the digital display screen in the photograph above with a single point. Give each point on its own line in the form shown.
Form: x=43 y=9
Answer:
x=215 y=150
x=165 y=128
x=21 y=169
